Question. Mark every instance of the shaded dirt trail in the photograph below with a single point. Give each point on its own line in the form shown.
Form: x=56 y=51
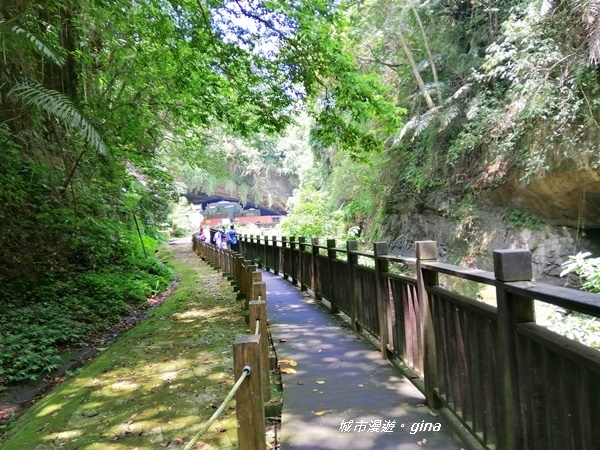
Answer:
x=157 y=383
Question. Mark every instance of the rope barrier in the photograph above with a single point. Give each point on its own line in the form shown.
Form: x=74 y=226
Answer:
x=257 y=328
x=218 y=412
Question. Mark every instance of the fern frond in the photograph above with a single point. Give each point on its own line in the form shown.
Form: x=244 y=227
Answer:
x=448 y=115
x=410 y=125
x=59 y=105
x=593 y=31
x=40 y=45
x=426 y=119
x=546 y=6
x=459 y=93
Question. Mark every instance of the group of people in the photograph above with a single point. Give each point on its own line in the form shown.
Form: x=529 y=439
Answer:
x=223 y=239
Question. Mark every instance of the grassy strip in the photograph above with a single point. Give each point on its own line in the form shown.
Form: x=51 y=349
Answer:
x=158 y=383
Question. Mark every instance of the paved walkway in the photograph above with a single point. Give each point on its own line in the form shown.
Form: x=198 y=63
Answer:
x=343 y=395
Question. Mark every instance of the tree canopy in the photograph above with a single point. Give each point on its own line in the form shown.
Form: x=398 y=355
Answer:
x=103 y=103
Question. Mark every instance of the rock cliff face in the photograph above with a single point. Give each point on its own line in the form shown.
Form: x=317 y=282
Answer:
x=470 y=243
x=565 y=203
x=568 y=197
x=269 y=192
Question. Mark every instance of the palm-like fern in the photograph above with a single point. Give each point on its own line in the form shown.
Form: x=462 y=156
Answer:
x=59 y=105
x=593 y=31
x=50 y=53
x=441 y=116
x=34 y=93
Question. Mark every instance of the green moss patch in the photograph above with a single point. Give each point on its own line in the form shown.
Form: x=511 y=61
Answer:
x=158 y=383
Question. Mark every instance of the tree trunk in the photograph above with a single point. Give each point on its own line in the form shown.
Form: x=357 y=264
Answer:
x=415 y=70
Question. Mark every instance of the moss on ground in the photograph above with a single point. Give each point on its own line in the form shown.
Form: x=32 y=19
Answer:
x=158 y=383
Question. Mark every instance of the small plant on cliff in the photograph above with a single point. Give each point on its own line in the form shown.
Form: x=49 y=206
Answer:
x=588 y=270
x=522 y=219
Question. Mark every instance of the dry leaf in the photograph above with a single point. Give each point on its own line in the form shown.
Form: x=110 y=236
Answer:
x=321 y=381
x=282 y=340
x=284 y=361
x=361 y=385
x=293 y=363
x=318 y=413
x=287 y=370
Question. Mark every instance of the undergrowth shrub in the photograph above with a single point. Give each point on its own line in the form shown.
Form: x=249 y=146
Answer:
x=48 y=319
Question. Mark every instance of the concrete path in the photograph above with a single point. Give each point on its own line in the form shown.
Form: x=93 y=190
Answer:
x=343 y=395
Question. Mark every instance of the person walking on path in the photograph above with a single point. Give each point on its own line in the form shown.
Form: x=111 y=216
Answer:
x=232 y=237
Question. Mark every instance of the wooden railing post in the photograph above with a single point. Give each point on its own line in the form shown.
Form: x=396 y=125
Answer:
x=284 y=242
x=510 y=266
x=315 y=275
x=249 y=280
x=276 y=260
x=250 y=410
x=258 y=311
x=331 y=256
x=265 y=257
x=381 y=267
x=292 y=248
x=255 y=279
x=427 y=251
x=301 y=274
x=251 y=249
x=352 y=246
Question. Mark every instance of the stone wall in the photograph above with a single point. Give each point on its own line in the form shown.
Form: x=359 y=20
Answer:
x=470 y=242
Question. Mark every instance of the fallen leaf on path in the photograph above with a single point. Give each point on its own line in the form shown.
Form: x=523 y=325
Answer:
x=318 y=413
x=282 y=340
x=287 y=370
x=321 y=381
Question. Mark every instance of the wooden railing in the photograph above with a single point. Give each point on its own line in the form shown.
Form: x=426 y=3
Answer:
x=251 y=351
x=512 y=384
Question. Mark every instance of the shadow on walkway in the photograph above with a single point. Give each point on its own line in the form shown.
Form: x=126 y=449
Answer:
x=343 y=395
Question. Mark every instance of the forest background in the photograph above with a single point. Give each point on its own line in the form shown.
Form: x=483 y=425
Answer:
x=111 y=110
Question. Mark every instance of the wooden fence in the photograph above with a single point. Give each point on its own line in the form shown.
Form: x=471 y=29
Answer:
x=251 y=351
x=512 y=383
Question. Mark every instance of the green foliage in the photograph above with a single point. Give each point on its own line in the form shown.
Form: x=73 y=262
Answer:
x=310 y=215
x=522 y=219
x=588 y=269
x=37 y=325
x=574 y=325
